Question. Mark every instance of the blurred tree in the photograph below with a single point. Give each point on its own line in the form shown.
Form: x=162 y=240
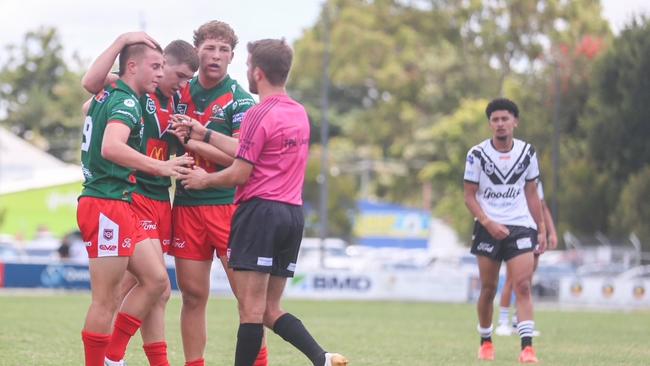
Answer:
x=616 y=128
x=616 y=122
x=41 y=96
x=401 y=68
x=446 y=144
x=342 y=204
x=633 y=209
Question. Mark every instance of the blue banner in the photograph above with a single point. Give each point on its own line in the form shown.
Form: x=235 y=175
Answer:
x=54 y=276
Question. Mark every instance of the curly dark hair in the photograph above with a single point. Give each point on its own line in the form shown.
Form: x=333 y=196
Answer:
x=502 y=104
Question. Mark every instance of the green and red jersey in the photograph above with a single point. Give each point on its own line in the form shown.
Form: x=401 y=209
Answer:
x=116 y=103
x=221 y=109
x=156 y=112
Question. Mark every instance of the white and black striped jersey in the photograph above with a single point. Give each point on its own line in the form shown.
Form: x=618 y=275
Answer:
x=501 y=177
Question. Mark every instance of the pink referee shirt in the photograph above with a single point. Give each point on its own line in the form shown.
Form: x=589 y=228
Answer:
x=274 y=138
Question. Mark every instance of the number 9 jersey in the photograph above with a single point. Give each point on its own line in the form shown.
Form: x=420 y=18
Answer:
x=116 y=103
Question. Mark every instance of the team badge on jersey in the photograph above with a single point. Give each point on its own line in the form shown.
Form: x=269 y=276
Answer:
x=151 y=106
x=108 y=234
x=489 y=168
x=181 y=108
x=217 y=114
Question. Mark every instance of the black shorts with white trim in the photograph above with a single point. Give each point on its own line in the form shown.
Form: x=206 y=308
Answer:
x=520 y=240
x=265 y=237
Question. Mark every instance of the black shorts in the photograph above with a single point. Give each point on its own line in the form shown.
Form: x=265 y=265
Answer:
x=521 y=240
x=265 y=237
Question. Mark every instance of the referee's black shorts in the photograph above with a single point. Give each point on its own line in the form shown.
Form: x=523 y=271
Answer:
x=265 y=237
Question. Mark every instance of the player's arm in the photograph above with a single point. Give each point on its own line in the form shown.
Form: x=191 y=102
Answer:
x=99 y=74
x=86 y=106
x=116 y=150
x=211 y=153
x=197 y=178
x=498 y=231
x=551 y=234
x=535 y=208
x=200 y=133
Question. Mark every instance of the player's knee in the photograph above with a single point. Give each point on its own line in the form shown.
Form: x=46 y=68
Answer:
x=156 y=283
x=164 y=297
x=271 y=315
x=489 y=289
x=193 y=296
x=523 y=288
x=104 y=309
x=251 y=311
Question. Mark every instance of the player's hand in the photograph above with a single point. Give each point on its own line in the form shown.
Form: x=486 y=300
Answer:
x=168 y=167
x=541 y=243
x=137 y=37
x=552 y=241
x=195 y=128
x=195 y=178
x=178 y=131
x=497 y=230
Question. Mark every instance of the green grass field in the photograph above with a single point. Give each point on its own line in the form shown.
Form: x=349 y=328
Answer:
x=45 y=330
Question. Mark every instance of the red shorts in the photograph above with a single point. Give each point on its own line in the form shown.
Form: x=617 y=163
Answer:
x=155 y=218
x=109 y=228
x=199 y=231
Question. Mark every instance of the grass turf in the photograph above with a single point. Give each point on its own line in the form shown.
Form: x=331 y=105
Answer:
x=44 y=329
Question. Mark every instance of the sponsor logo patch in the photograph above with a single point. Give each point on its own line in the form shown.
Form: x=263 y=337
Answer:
x=108 y=247
x=485 y=247
x=524 y=243
x=148 y=225
x=638 y=291
x=178 y=243
x=126 y=243
x=101 y=96
x=129 y=103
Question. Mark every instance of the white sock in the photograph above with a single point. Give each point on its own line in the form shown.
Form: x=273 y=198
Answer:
x=504 y=315
x=485 y=332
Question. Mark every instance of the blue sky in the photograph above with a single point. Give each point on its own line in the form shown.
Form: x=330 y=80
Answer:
x=87 y=27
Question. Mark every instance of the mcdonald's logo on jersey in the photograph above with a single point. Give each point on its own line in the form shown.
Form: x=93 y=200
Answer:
x=157 y=149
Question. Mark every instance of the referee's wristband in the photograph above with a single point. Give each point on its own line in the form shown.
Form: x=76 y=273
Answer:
x=206 y=137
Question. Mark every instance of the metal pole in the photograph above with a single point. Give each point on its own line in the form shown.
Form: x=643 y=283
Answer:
x=324 y=130
x=556 y=142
